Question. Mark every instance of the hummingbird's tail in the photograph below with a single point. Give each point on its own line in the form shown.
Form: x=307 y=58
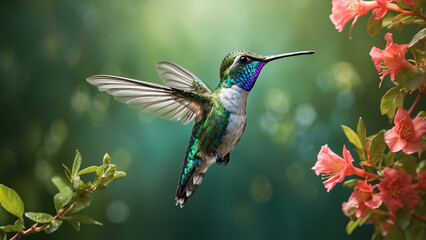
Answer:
x=192 y=175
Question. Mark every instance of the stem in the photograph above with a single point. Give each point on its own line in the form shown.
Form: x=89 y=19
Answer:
x=364 y=174
x=394 y=7
x=421 y=219
x=61 y=213
x=415 y=103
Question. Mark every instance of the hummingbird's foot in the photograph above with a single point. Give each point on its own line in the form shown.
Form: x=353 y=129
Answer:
x=221 y=160
x=226 y=160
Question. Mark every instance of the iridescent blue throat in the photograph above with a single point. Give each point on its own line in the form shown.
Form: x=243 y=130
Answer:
x=247 y=76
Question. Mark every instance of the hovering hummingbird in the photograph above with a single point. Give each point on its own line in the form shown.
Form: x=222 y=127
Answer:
x=219 y=115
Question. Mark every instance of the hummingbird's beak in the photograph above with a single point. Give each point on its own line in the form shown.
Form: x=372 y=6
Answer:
x=274 y=57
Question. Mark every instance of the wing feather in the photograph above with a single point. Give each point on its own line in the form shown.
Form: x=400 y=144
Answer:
x=178 y=77
x=167 y=102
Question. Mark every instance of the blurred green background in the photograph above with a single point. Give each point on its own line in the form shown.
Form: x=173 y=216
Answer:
x=48 y=48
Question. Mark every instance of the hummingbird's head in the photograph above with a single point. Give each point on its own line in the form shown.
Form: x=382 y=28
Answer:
x=242 y=67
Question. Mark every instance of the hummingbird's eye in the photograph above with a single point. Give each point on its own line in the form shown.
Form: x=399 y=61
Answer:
x=243 y=59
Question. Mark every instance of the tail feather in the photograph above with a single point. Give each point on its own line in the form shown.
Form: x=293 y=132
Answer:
x=184 y=191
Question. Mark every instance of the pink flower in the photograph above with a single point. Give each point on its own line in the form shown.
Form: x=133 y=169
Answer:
x=333 y=166
x=349 y=207
x=406 y=134
x=345 y=10
x=396 y=190
x=382 y=8
x=421 y=181
x=391 y=59
x=363 y=198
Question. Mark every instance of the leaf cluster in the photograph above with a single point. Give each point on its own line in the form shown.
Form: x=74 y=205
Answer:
x=72 y=197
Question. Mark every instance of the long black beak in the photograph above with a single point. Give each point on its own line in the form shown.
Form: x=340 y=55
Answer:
x=284 y=55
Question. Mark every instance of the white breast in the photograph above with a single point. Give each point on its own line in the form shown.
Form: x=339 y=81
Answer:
x=234 y=100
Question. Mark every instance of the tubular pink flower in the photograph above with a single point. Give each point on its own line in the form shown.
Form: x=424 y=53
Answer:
x=333 y=167
x=396 y=189
x=345 y=10
x=406 y=134
x=390 y=60
x=362 y=199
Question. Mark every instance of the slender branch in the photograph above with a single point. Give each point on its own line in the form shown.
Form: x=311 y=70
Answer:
x=415 y=103
x=421 y=219
x=60 y=214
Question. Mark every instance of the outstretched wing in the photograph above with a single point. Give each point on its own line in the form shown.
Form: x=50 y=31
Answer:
x=166 y=102
x=176 y=76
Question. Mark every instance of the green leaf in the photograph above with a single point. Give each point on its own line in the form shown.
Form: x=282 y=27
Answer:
x=39 y=217
x=409 y=79
x=65 y=193
x=107 y=159
x=85 y=200
x=74 y=223
x=417 y=231
x=352 y=137
x=53 y=226
x=409 y=164
x=85 y=219
x=361 y=130
x=61 y=185
x=418 y=37
x=99 y=173
x=5 y=237
x=61 y=199
x=88 y=170
x=399 y=20
x=395 y=233
x=76 y=164
x=351 y=183
x=67 y=172
x=11 y=202
x=101 y=187
x=18 y=226
x=394 y=98
x=76 y=183
x=414 y=78
x=119 y=175
x=377 y=147
x=352 y=224
x=110 y=170
x=374 y=25
x=79 y=205
x=387 y=19
x=403 y=218
x=389 y=159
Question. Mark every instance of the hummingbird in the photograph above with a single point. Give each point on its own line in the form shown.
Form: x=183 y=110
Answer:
x=219 y=115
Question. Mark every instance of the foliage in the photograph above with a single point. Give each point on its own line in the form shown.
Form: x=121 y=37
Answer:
x=390 y=188
x=73 y=196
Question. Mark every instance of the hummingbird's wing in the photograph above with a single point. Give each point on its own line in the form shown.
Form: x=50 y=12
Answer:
x=166 y=102
x=176 y=76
